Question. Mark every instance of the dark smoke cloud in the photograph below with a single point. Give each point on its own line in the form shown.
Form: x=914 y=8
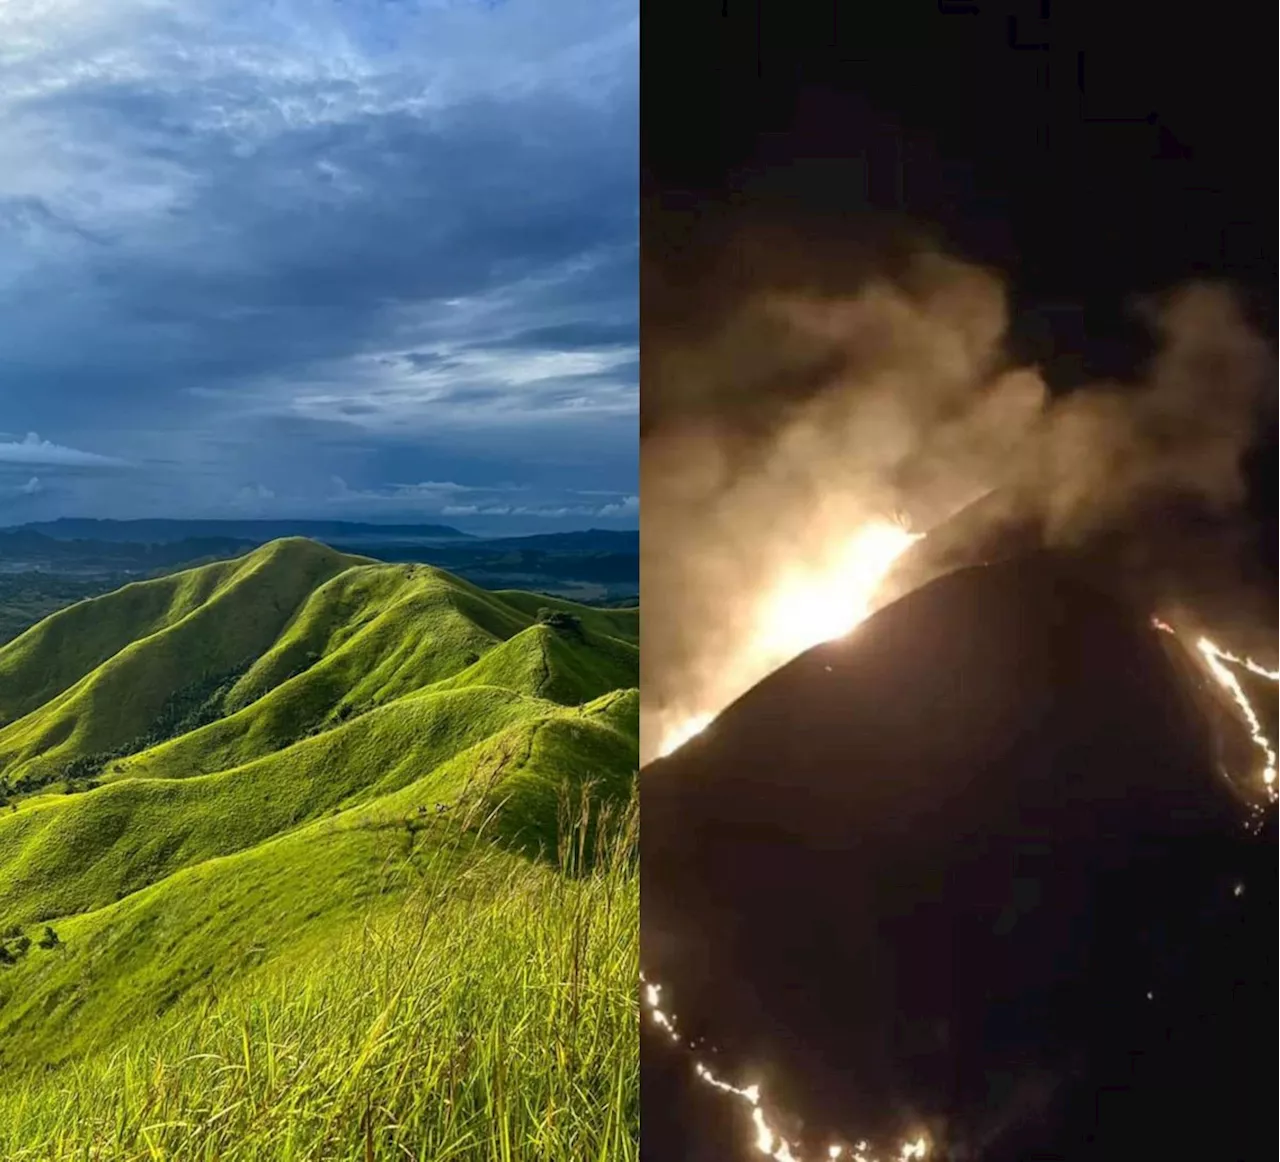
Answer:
x=780 y=415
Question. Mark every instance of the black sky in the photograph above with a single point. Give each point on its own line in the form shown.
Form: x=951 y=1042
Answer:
x=1090 y=151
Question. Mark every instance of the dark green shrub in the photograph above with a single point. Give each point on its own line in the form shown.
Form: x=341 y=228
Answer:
x=560 y=621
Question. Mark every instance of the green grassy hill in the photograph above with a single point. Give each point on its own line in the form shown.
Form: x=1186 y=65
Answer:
x=279 y=773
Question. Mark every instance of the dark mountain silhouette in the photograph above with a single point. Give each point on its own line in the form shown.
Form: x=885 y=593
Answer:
x=972 y=870
x=605 y=557
x=583 y=540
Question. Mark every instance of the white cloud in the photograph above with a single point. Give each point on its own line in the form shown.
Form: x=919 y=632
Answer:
x=470 y=387
x=253 y=495
x=34 y=450
x=543 y=511
x=624 y=507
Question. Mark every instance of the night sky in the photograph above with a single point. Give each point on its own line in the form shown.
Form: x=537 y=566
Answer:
x=1092 y=154
x=367 y=260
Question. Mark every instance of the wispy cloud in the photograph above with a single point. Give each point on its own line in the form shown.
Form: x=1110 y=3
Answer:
x=452 y=500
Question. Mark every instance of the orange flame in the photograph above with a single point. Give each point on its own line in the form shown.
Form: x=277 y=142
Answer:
x=768 y=1139
x=810 y=603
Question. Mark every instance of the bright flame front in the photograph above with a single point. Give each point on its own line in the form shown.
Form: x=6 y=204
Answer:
x=814 y=605
x=1219 y=660
x=768 y=1139
x=811 y=603
x=683 y=731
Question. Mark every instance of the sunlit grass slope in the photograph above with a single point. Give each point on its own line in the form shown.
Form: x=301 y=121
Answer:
x=485 y=1011
x=96 y=675
x=294 y=872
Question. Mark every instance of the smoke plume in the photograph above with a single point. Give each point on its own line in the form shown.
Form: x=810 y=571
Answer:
x=777 y=424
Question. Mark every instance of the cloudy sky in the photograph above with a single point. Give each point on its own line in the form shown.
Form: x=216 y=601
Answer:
x=366 y=259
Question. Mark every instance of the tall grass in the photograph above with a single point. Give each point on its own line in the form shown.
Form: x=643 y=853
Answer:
x=491 y=1017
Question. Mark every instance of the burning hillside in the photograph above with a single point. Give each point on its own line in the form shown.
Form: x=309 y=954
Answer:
x=810 y=603
x=938 y=884
x=909 y=877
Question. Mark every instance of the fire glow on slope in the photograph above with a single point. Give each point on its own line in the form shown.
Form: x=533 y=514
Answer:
x=818 y=606
x=811 y=604
x=768 y=1141
x=1218 y=660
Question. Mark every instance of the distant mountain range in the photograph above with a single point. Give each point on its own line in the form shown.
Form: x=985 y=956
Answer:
x=223 y=533
x=593 y=564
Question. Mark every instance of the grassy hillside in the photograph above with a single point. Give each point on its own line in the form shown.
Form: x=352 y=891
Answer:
x=95 y=676
x=235 y=792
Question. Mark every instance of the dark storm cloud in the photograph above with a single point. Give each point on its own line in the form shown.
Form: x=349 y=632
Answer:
x=441 y=212
x=395 y=222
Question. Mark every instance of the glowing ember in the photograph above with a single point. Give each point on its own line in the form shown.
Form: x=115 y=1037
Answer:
x=811 y=604
x=768 y=1140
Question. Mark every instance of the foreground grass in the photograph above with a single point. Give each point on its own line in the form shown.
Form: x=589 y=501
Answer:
x=492 y=1016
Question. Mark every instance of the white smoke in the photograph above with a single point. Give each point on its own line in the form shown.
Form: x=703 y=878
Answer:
x=776 y=432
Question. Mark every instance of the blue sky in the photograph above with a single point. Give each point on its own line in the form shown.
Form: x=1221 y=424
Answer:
x=363 y=259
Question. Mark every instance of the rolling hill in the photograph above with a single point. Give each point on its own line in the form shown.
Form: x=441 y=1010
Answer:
x=237 y=775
